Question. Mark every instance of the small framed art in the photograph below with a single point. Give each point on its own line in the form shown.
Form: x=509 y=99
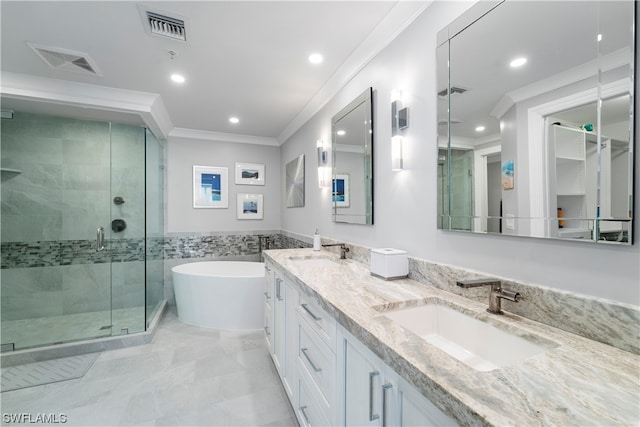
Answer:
x=250 y=206
x=249 y=173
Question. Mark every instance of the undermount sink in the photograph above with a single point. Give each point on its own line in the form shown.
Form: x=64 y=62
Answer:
x=314 y=262
x=472 y=341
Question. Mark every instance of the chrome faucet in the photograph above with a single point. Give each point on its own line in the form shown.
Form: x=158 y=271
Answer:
x=496 y=295
x=343 y=249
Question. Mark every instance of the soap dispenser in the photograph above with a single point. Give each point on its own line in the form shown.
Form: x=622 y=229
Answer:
x=316 y=241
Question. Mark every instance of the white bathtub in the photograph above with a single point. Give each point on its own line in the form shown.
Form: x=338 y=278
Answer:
x=220 y=294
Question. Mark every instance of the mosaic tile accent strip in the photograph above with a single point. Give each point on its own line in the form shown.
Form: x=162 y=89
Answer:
x=211 y=246
x=71 y=252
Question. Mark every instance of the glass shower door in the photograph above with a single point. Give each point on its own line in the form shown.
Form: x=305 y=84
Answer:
x=127 y=229
x=56 y=275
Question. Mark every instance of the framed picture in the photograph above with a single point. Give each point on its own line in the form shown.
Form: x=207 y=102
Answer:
x=249 y=173
x=340 y=191
x=294 y=182
x=210 y=187
x=507 y=175
x=250 y=206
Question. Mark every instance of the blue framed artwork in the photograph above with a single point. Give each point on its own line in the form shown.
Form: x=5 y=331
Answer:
x=250 y=206
x=340 y=190
x=210 y=187
x=507 y=175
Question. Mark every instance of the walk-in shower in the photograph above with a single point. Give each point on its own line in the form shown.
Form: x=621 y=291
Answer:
x=81 y=229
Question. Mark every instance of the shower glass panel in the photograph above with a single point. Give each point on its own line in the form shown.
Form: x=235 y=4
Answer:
x=127 y=228
x=154 y=225
x=60 y=178
x=56 y=286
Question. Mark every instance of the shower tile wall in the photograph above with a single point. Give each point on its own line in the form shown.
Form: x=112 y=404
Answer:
x=50 y=212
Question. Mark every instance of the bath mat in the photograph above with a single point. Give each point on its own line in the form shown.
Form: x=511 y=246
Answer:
x=48 y=371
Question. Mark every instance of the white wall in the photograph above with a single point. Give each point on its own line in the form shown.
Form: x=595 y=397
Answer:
x=183 y=153
x=405 y=202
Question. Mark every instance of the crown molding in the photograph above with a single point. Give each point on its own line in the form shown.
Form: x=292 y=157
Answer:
x=222 y=137
x=606 y=63
x=148 y=106
x=395 y=22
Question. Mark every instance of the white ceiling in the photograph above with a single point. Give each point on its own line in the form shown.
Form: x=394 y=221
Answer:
x=559 y=38
x=241 y=58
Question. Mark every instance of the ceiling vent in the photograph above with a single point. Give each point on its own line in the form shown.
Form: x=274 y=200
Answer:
x=158 y=23
x=65 y=59
x=454 y=90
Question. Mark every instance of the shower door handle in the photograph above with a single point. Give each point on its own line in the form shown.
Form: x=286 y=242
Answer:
x=100 y=239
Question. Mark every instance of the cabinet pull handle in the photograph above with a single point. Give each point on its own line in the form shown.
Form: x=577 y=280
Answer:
x=266 y=295
x=266 y=330
x=303 y=409
x=372 y=416
x=278 y=293
x=306 y=356
x=316 y=318
x=385 y=387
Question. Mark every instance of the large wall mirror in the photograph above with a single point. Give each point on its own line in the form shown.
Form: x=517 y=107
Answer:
x=352 y=148
x=535 y=120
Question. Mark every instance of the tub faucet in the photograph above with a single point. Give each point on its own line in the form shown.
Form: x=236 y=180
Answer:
x=496 y=295
x=343 y=249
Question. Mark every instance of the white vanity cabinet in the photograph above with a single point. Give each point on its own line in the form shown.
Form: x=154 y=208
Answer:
x=280 y=303
x=316 y=358
x=375 y=395
x=330 y=377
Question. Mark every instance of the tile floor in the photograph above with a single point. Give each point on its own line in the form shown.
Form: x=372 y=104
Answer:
x=187 y=376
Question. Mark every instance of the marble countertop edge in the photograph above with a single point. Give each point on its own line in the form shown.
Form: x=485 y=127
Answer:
x=538 y=395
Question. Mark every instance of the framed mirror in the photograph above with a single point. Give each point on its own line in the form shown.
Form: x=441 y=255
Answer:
x=535 y=120
x=352 y=151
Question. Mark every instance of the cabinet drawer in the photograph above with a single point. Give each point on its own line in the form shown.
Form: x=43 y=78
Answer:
x=319 y=320
x=308 y=411
x=318 y=361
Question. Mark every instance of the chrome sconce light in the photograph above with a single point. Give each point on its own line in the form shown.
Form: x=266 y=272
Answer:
x=324 y=171
x=399 y=122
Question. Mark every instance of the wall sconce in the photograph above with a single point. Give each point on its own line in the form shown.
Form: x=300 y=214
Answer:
x=399 y=122
x=324 y=171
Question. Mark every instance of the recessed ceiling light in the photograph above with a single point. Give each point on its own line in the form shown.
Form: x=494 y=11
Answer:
x=178 y=78
x=341 y=132
x=518 y=62
x=315 y=58
x=480 y=128
x=234 y=120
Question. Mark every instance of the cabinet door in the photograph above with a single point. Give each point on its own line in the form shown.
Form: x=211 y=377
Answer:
x=416 y=410
x=363 y=386
x=278 y=322
x=268 y=309
x=290 y=344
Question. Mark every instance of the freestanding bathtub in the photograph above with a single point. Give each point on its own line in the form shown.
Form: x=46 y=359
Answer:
x=220 y=294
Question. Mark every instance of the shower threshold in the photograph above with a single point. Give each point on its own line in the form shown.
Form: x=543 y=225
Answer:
x=60 y=344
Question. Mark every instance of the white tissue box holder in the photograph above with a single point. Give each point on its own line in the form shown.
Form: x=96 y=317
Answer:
x=389 y=263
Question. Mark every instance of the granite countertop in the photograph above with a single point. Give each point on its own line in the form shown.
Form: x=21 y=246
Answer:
x=576 y=382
